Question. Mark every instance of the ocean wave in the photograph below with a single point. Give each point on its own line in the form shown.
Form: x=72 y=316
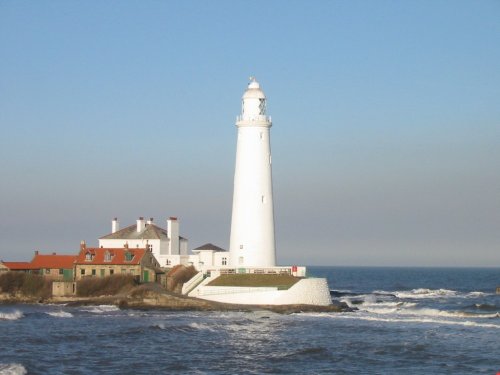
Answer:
x=191 y=327
x=485 y=306
x=12 y=369
x=101 y=309
x=476 y=294
x=426 y=293
x=201 y=327
x=15 y=315
x=60 y=314
x=466 y=323
x=408 y=309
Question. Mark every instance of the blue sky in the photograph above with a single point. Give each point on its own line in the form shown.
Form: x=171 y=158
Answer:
x=385 y=138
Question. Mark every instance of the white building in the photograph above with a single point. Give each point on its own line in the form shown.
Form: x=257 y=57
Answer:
x=252 y=225
x=166 y=245
x=209 y=256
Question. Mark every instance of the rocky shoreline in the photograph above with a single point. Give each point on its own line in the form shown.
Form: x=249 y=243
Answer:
x=169 y=301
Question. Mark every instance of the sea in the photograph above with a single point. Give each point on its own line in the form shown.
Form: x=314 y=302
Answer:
x=408 y=321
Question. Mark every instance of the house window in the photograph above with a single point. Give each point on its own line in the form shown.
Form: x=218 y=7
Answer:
x=107 y=256
x=88 y=257
x=150 y=247
x=111 y=272
x=124 y=270
x=47 y=271
x=93 y=272
x=129 y=256
x=82 y=271
x=61 y=271
x=224 y=261
x=169 y=262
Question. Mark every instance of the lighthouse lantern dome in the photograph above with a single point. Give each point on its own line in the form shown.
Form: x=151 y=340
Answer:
x=254 y=100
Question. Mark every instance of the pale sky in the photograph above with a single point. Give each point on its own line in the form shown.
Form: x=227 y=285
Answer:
x=385 y=137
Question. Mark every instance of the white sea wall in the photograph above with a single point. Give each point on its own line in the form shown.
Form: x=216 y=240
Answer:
x=313 y=291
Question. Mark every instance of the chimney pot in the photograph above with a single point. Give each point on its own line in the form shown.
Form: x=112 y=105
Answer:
x=54 y=253
x=36 y=252
x=140 y=224
x=114 y=225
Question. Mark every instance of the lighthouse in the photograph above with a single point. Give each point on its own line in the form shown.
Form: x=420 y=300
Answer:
x=252 y=225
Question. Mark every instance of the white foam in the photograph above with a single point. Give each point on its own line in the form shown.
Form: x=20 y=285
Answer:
x=421 y=320
x=12 y=369
x=476 y=294
x=60 y=314
x=425 y=293
x=408 y=308
x=101 y=309
x=201 y=326
x=15 y=315
x=400 y=319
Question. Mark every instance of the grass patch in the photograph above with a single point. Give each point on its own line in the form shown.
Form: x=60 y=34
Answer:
x=255 y=280
x=27 y=284
x=105 y=286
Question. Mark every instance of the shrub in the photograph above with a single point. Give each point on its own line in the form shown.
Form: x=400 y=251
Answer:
x=103 y=286
x=178 y=276
x=26 y=283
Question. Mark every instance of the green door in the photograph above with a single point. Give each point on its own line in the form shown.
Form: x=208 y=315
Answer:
x=68 y=274
x=146 y=276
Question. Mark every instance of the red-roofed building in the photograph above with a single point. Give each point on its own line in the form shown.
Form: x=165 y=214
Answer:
x=101 y=262
x=51 y=265
x=54 y=265
x=15 y=266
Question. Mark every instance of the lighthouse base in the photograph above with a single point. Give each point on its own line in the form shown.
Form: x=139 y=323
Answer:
x=306 y=291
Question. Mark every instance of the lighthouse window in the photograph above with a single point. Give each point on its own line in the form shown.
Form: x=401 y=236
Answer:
x=224 y=261
x=262 y=106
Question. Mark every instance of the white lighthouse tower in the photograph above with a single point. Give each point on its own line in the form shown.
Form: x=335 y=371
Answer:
x=252 y=226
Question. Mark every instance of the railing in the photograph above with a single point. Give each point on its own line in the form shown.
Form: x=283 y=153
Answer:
x=260 y=271
x=258 y=118
x=192 y=283
x=207 y=290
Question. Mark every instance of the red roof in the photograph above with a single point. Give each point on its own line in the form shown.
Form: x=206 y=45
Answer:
x=52 y=261
x=16 y=266
x=97 y=255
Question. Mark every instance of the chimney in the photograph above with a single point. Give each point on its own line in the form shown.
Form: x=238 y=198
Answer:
x=36 y=252
x=54 y=253
x=150 y=221
x=125 y=245
x=140 y=224
x=173 y=236
x=82 y=246
x=115 y=227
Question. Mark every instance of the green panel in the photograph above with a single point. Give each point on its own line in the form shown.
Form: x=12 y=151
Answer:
x=146 y=276
x=68 y=274
x=102 y=272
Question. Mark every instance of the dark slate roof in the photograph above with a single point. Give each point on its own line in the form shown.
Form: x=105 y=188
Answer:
x=150 y=232
x=209 y=246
